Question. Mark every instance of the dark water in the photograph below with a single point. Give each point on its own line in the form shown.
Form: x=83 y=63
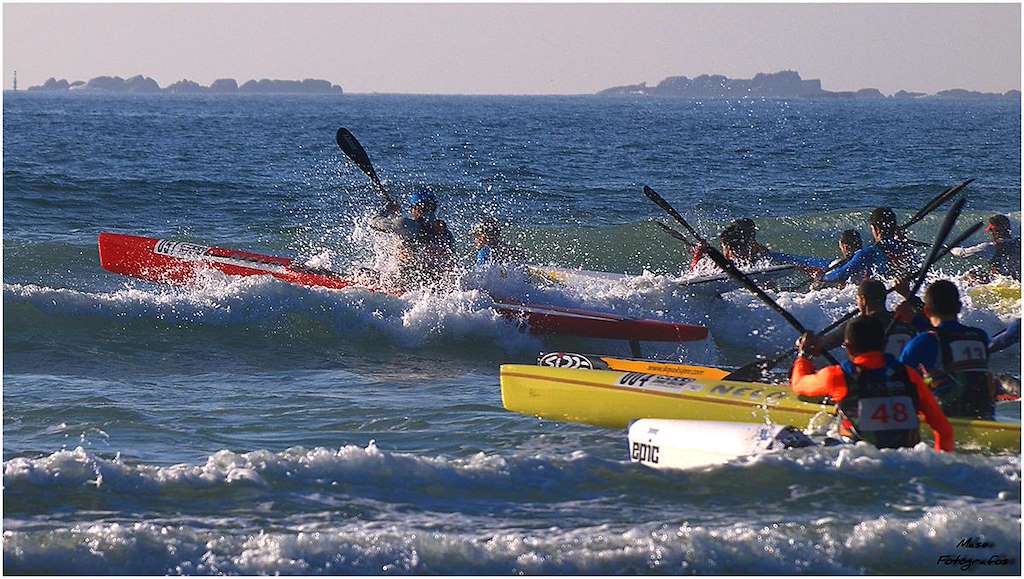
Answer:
x=248 y=426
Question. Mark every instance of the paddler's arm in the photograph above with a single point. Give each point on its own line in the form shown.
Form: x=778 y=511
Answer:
x=1006 y=338
x=388 y=220
x=922 y=351
x=861 y=261
x=805 y=381
x=698 y=253
x=933 y=415
x=986 y=249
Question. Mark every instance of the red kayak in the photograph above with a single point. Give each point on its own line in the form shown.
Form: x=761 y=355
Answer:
x=179 y=262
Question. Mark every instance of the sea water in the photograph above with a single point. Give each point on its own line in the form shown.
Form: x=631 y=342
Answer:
x=250 y=426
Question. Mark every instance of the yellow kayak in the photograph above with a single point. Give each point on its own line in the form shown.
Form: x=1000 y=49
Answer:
x=613 y=399
x=1001 y=296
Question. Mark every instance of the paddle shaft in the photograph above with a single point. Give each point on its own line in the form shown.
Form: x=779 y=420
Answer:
x=728 y=266
x=757 y=368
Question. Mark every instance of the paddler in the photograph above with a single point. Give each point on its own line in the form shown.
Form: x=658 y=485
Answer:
x=739 y=244
x=877 y=397
x=871 y=296
x=491 y=249
x=1002 y=253
x=850 y=242
x=426 y=247
x=952 y=356
x=890 y=255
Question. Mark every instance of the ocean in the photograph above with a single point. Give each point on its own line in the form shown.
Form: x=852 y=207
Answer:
x=248 y=426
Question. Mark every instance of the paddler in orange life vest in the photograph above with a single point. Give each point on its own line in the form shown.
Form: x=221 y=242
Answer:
x=878 y=398
x=1002 y=253
x=426 y=246
x=891 y=255
x=953 y=357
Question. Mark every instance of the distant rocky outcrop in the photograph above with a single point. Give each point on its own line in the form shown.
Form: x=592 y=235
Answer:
x=959 y=93
x=52 y=84
x=186 y=86
x=783 y=84
x=908 y=95
x=308 y=86
x=144 y=84
x=224 y=85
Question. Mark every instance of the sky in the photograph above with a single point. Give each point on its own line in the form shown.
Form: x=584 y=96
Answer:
x=518 y=48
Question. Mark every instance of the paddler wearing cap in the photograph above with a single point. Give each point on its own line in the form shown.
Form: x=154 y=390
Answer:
x=1002 y=252
x=890 y=255
x=878 y=398
x=426 y=247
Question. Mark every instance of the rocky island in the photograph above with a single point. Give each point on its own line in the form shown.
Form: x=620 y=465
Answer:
x=784 y=84
x=143 y=84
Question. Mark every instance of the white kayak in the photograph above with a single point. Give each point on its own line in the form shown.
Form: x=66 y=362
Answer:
x=681 y=444
x=705 y=284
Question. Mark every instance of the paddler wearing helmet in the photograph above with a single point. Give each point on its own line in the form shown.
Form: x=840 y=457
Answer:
x=890 y=255
x=1002 y=253
x=426 y=247
x=952 y=356
x=878 y=398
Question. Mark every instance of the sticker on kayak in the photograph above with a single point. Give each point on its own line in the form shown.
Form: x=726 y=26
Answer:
x=565 y=360
x=180 y=249
x=638 y=380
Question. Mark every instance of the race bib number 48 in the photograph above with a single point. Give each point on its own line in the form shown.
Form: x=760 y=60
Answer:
x=892 y=413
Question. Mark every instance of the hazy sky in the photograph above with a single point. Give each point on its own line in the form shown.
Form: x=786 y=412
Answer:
x=518 y=48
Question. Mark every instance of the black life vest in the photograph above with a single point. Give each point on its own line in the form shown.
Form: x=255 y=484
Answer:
x=963 y=386
x=900 y=257
x=1006 y=259
x=428 y=254
x=898 y=338
x=880 y=405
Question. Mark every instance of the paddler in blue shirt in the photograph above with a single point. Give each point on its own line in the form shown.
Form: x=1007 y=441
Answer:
x=426 y=246
x=487 y=239
x=952 y=357
x=891 y=255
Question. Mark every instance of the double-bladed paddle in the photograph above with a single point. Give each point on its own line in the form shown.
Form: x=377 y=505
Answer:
x=932 y=205
x=727 y=265
x=947 y=226
x=757 y=368
x=348 y=143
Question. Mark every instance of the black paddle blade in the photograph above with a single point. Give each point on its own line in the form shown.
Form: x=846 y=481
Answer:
x=937 y=202
x=754 y=371
x=673 y=232
x=947 y=226
x=348 y=143
x=660 y=202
